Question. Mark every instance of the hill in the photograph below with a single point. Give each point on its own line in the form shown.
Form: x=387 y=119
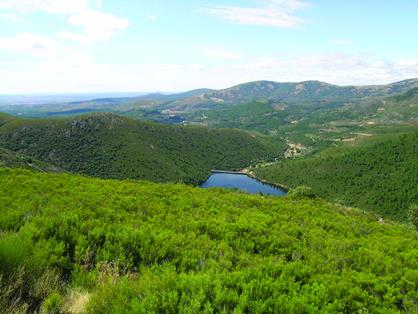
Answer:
x=400 y=107
x=10 y=159
x=110 y=146
x=312 y=93
x=160 y=107
x=316 y=124
x=378 y=174
x=71 y=243
x=306 y=91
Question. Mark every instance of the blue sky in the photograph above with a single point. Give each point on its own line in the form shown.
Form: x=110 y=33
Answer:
x=60 y=46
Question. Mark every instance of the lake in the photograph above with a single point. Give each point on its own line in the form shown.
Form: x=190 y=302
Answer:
x=242 y=182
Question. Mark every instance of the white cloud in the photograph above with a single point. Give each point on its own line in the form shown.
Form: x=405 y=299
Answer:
x=49 y=6
x=276 y=13
x=73 y=36
x=152 y=17
x=28 y=43
x=344 y=42
x=98 y=25
x=82 y=74
x=344 y=69
x=218 y=53
x=10 y=17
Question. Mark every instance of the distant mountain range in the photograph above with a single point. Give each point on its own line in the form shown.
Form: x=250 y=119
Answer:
x=204 y=99
x=307 y=91
x=291 y=92
x=42 y=99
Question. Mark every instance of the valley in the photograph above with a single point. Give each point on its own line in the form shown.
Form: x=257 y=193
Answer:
x=313 y=114
x=100 y=208
x=111 y=146
x=378 y=173
x=208 y=156
x=283 y=132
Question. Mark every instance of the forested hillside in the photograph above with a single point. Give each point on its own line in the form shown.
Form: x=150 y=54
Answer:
x=70 y=243
x=378 y=174
x=316 y=124
x=12 y=159
x=109 y=146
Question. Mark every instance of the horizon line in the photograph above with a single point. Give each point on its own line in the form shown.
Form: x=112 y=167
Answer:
x=145 y=93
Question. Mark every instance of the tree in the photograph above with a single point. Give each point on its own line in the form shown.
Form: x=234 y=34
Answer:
x=413 y=215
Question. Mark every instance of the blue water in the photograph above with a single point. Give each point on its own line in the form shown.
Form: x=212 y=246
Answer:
x=241 y=182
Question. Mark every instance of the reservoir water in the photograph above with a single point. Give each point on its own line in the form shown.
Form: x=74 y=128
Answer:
x=242 y=182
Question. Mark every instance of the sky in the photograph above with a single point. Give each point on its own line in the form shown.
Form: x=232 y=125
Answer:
x=78 y=46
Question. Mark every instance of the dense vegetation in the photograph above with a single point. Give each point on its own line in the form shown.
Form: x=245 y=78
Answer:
x=73 y=244
x=401 y=107
x=314 y=114
x=316 y=123
x=379 y=174
x=109 y=146
x=12 y=159
x=70 y=243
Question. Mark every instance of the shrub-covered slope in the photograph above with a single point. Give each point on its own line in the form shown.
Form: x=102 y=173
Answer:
x=109 y=146
x=380 y=175
x=73 y=243
x=11 y=159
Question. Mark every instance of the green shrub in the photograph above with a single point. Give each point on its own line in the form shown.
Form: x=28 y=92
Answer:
x=52 y=304
x=13 y=251
x=302 y=191
x=142 y=247
x=413 y=215
x=378 y=174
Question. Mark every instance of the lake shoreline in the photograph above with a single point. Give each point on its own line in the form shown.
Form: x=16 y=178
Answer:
x=248 y=173
x=251 y=174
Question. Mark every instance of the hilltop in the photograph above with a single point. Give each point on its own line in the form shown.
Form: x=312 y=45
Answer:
x=302 y=92
x=160 y=107
x=110 y=146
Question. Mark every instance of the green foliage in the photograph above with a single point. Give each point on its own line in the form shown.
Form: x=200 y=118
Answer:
x=413 y=215
x=379 y=175
x=315 y=123
x=401 y=107
x=302 y=191
x=258 y=116
x=13 y=250
x=141 y=247
x=109 y=146
x=52 y=304
x=312 y=113
x=12 y=159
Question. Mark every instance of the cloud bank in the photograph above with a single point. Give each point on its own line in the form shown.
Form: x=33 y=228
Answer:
x=82 y=74
x=96 y=25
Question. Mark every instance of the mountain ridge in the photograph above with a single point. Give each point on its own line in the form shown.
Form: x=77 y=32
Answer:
x=206 y=98
x=111 y=146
